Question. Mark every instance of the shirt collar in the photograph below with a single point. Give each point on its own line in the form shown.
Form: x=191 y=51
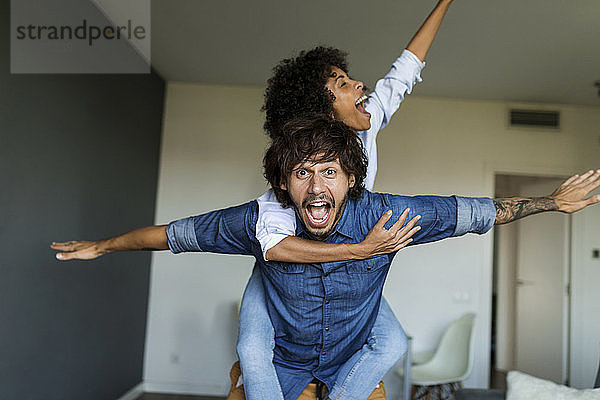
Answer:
x=346 y=226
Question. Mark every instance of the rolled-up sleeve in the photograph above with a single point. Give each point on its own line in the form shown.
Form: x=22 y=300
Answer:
x=474 y=214
x=227 y=231
x=441 y=216
x=181 y=236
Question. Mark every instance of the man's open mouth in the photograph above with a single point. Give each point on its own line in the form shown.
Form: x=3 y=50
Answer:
x=318 y=213
x=360 y=105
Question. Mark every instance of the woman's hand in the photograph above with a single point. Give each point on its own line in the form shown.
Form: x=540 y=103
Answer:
x=382 y=241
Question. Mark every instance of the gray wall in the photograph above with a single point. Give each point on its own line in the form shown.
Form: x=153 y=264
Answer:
x=78 y=160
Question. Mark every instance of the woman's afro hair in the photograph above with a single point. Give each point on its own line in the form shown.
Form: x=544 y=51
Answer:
x=297 y=87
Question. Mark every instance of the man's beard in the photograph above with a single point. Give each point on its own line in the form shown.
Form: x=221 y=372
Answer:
x=338 y=215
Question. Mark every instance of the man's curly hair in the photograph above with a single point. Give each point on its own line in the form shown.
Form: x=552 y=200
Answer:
x=320 y=139
x=297 y=87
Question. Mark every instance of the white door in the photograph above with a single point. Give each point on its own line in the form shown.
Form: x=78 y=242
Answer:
x=541 y=295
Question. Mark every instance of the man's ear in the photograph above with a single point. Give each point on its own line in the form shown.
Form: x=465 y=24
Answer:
x=283 y=185
x=351 y=181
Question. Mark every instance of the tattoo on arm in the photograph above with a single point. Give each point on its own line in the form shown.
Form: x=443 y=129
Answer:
x=511 y=209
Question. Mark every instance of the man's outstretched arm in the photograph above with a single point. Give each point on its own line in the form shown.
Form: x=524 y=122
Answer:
x=147 y=238
x=222 y=231
x=568 y=198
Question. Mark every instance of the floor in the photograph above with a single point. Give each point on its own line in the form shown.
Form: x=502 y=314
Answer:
x=497 y=381
x=161 y=396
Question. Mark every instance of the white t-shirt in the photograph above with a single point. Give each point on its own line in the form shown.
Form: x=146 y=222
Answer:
x=275 y=223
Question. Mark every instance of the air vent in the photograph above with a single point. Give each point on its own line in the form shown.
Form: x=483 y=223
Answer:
x=535 y=118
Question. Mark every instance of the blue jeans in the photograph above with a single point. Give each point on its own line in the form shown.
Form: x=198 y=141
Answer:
x=356 y=378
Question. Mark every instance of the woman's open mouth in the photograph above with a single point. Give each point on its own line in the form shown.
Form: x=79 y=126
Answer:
x=360 y=105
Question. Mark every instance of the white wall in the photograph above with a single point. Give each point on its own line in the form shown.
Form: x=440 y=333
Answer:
x=210 y=158
x=212 y=148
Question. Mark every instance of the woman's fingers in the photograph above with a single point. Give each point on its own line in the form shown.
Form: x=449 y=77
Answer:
x=398 y=224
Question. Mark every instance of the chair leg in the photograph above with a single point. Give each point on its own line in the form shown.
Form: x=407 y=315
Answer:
x=448 y=391
x=445 y=391
x=429 y=390
x=418 y=392
x=452 y=388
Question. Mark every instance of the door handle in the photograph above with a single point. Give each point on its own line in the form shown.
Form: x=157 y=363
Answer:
x=524 y=282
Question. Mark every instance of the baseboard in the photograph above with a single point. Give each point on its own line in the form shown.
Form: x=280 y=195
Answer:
x=185 y=388
x=133 y=393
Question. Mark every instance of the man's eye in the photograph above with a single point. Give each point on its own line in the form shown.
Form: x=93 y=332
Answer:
x=330 y=172
x=301 y=173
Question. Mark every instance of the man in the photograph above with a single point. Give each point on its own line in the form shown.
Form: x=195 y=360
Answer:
x=317 y=82
x=323 y=313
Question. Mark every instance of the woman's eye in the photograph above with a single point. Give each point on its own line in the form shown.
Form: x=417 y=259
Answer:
x=343 y=84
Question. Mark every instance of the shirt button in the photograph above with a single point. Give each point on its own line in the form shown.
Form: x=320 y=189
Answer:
x=327 y=301
x=284 y=268
x=326 y=329
x=368 y=268
x=324 y=353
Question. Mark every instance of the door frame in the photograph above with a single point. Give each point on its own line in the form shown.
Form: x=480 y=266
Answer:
x=544 y=171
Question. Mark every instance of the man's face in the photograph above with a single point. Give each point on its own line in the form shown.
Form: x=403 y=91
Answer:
x=319 y=192
x=348 y=105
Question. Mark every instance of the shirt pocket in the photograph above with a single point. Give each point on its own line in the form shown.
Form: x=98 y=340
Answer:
x=368 y=266
x=366 y=277
x=289 y=280
x=286 y=268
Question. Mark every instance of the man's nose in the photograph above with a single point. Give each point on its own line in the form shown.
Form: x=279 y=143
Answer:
x=317 y=184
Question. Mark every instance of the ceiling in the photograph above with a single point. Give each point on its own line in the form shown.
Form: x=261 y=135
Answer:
x=513 y=50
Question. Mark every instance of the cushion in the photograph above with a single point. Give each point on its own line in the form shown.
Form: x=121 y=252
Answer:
x=525 y=387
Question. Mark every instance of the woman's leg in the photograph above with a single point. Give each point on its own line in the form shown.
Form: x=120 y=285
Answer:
x=256 y=340
x=365 y=369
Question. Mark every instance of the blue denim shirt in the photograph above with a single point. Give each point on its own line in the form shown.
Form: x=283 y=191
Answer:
x=323 y=313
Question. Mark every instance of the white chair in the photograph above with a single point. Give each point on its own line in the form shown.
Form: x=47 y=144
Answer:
x=451 y=363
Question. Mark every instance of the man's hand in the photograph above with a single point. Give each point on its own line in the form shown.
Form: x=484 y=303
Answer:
x=77 y=250
x=382 y=241
x=148 y=238
x=570 y=196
